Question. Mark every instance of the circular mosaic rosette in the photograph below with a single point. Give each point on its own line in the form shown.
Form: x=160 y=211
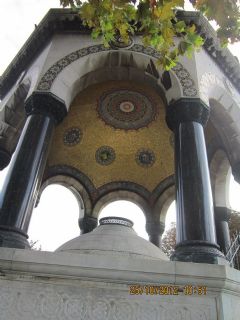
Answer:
x=72 y=136
x=145 y=158
x=105 y=155
x=126 y=109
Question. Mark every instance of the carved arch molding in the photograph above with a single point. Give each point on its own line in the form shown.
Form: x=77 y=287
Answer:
x=93 y=197
x=188 y=85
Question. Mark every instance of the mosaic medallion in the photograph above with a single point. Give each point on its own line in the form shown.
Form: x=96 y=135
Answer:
x=72 y=136
x=105 y=155
x=145 y=158
x=126 y=109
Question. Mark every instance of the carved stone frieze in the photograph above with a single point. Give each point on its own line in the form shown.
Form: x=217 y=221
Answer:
x=51 y=302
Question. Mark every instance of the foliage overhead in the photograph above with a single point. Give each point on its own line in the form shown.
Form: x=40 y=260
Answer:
x=158 y=22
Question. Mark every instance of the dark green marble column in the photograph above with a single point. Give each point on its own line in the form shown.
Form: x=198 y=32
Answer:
x=196 y=235
x=87 y=224
x=24 y=177
x=4 y=159
x=222 y=216
x=236 y=171
x=155 y=230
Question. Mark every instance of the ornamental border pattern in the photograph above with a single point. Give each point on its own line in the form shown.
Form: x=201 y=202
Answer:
x=184 y=77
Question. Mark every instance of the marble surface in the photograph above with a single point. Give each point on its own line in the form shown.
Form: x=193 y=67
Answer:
x=63 y=285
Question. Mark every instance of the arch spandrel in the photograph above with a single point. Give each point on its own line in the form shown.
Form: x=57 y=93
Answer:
x=63 y=75
x=138 y=150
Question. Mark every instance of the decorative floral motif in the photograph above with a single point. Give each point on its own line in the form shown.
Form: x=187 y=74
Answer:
x=100 y=310
x=48 y=78
x=124 y=311
x=55 y=302
x=125 y=109
x=186 y=81
x=51 y=305
x=74 y=307
x=145 y=158
x=6 y=299
x=105 y=155
x=72 y=136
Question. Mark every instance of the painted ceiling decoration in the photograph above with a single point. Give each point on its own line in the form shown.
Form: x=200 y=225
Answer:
x=126 y=109
x=145 y=158
x=132 y=152
x=188 y=85
x=72 y=136
x=105 y=155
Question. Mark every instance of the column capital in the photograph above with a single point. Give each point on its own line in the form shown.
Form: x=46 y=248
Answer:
x=87 y=224
x=46 y=103
x=236 y=171
x=155 y=227
x=222 y=213
x=186 y=110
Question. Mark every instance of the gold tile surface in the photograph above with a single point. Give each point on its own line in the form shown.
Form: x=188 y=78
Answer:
x=95 y=133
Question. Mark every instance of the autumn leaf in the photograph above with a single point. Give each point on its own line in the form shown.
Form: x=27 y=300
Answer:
x=158 y=23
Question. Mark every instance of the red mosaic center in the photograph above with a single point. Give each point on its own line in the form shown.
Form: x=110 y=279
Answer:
x=127 y=106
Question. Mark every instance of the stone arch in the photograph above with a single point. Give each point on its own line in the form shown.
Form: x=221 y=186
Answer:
x=224 y=102
x=226 y=123
x=75 y=181
x=60 y=208
x=63 y=78
x=121 y=195
x=220 y=178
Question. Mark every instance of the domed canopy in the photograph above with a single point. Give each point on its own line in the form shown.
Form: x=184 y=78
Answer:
x=114 y=236
x=111 y=124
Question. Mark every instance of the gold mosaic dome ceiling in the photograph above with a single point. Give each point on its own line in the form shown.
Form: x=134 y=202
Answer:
x=116 y=131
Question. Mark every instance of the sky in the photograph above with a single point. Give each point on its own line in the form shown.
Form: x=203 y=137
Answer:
x=58 y=209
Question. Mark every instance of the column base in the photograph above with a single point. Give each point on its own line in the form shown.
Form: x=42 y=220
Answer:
x=12 y=238
x=198 y=253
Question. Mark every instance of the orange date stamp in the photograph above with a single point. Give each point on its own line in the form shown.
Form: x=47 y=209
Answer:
x=172 y=290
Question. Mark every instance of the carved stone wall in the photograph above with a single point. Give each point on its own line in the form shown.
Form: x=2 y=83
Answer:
x=20 y=300
x=98 y=286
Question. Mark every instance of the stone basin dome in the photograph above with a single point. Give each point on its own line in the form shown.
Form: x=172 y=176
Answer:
x=114 y=236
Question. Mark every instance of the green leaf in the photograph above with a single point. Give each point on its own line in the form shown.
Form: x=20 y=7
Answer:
x=180 y=26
